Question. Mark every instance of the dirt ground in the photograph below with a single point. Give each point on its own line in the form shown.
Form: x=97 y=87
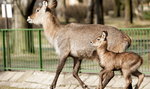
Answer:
x=7 y=87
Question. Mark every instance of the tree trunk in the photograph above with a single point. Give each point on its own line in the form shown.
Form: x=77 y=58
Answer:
x=61 y=9
x=99 y=12
x=8 y=42
x=128 y=12
x=90 y=12
x=29 y=34
x=117 y=8
x=138 y=5
x=80 y=1
x=23 y=39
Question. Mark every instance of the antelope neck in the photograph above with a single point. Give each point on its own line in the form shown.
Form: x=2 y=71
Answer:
x=51 y=26
x=102 y=49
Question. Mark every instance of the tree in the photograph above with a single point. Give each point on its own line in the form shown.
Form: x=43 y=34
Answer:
x=23 y=39
x=90 y=12
x=60 y=8
x=81 y=1
x=128 y=12
x=99 y=12
x=138 y=9
x=117 y=8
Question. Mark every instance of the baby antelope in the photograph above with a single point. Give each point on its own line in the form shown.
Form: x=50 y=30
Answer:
x=127 y=62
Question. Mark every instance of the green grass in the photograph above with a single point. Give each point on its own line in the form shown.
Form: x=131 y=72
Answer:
x=146 y=15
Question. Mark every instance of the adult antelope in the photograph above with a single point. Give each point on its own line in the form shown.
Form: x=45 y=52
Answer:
x=73 y=40
x=126 y=62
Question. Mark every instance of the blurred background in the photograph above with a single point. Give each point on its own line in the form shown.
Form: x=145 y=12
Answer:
x=119 y=13
x=24 y=47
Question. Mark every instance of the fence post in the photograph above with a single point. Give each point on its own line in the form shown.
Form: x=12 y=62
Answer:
x=4 y=51
x=40 y=51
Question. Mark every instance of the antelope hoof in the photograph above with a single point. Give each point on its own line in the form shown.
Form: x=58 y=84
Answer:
x=52 y=87
x=99 y=87
x=85 y=86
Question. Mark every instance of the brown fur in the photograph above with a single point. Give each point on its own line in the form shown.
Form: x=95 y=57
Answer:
x=73 y=39
x=127 y=62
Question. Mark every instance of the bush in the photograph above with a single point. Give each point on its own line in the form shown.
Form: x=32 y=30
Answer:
x=146 y=15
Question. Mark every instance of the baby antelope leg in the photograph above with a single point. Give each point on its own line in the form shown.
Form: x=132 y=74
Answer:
x=140 y=78
x=101 y=75
x=128 y=79
x=127 y=76
x=107 y=77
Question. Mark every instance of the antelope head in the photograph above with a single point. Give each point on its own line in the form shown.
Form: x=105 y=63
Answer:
x=100 y=40
x=45 y=11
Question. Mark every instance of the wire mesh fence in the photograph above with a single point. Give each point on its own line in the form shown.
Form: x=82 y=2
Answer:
x=140 y=44
x=29 y=50
x=1 y=51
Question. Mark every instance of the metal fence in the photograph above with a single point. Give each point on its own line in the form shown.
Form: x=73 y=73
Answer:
x=44 y=58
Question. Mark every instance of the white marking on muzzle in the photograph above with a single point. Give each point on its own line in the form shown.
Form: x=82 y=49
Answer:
x=29 y=20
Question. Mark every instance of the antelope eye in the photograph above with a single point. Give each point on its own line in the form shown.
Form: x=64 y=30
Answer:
x=98 y=39
x=37 y=10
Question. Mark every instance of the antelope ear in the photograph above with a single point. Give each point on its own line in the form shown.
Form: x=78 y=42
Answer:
x=52 y=4
x=45 y=3
x=104 y=34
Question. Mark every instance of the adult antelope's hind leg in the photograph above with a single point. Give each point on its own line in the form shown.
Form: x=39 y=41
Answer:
x=58 y=71
x=76 y=67
x=140 y=78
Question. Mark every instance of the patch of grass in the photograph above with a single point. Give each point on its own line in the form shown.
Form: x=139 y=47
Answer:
x=146 y=15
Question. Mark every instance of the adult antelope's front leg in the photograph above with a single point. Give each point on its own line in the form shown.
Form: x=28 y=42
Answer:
x=58 y=71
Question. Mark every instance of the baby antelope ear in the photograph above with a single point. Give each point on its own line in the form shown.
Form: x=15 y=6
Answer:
x=104 y=34
x=45 y=3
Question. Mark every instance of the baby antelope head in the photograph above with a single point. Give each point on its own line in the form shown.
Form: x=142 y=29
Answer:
x=100 y=40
